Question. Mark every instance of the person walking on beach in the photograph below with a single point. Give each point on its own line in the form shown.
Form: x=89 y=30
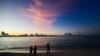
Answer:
x=35 y=50
x=31 y=48
x=48 y=48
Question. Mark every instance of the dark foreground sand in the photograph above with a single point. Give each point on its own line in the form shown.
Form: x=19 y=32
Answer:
x=61 y=53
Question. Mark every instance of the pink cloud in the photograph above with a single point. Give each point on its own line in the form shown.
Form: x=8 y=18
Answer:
x=43 y=14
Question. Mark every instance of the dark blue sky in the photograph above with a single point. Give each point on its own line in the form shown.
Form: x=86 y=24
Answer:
x=86 y=12
x=86 y=15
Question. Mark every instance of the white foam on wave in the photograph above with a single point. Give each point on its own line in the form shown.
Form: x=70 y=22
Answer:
x=24 y=51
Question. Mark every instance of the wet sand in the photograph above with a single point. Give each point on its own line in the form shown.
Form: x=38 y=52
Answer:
x=82 y=52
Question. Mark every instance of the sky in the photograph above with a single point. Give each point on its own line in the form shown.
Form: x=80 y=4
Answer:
x=49 y=16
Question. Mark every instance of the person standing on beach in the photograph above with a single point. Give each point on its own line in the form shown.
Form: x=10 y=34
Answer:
x=35 y=50
x=48 y=48
x=31 y=48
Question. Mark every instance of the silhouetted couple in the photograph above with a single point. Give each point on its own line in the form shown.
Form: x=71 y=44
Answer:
x=31 y=51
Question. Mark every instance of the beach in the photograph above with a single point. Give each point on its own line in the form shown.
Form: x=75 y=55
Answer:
x=59 y=46
x=69 y=52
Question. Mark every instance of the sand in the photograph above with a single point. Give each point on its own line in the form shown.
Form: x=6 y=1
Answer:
x=82 y=52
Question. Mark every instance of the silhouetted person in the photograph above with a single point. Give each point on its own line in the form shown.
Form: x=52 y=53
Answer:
x=48 y=49
x=35 y=50
x=31 y=48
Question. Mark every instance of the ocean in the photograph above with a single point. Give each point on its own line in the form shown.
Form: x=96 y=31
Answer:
x=55 y=42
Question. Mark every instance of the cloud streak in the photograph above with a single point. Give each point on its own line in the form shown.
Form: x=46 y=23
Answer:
x=44 y=13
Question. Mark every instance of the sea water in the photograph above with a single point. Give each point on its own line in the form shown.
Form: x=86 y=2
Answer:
x=57 y=42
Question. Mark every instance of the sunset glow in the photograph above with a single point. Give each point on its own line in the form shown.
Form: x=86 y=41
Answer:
x=47 y=16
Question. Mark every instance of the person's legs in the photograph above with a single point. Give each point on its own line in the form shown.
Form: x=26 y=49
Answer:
x=34 y=54
x=30 y=51
x=49 y=52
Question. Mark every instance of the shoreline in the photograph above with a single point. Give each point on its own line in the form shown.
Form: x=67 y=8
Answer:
x=52 y=50
x=60 y=53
